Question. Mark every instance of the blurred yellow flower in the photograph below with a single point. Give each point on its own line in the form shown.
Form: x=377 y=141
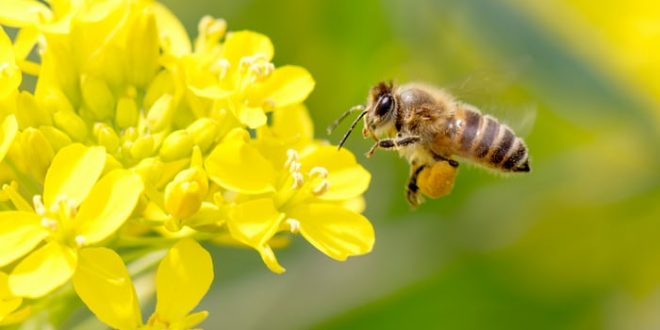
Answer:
x=627 y=32
x=183 y=277
x=76 y=211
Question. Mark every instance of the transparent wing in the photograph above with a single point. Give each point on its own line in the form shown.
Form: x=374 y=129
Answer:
x=502 y=94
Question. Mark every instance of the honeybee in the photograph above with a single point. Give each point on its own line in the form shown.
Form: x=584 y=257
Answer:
x=429 y=128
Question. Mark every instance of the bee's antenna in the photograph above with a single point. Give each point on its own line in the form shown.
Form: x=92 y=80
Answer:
x=334 y=124
x=345 y=137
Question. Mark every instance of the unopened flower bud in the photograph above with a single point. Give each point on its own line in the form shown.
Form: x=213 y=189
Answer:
x=55 y=137
x=204 y=132
x=142 y=147
x=127 y=112
x=71 y=124
x=177 y=145
x=98 y=97
x=159 y=116
x=37 y=162
x=185 y=193
x=106 y=136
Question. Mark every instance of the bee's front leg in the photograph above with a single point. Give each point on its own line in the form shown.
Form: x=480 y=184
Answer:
x=393 y=143
x=412 y=189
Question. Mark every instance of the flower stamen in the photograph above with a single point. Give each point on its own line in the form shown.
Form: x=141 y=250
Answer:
x=80 y=240
x=292 y=156
x=221 y=68
x=49 y=223
x=294 y=225
x=39 y=206
x=298 y=180
x=318 y=171
x=321 y=188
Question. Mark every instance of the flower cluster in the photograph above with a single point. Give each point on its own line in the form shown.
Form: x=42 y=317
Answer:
x=135 y=139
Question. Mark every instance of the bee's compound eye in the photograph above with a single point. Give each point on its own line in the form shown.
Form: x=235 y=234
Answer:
x=385 y=104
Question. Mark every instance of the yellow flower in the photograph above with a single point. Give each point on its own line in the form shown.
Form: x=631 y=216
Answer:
x=129 y=119
x=77 y=210
x=241 y=78
x=307 y=191
x=183 y=278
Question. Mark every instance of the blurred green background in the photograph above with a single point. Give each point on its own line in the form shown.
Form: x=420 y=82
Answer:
x=573 y=245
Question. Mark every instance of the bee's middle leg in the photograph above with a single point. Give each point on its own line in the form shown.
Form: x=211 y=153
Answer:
x=393 y=143
x=451 y=162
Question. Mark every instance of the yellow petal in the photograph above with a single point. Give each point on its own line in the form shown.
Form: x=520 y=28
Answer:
x=293 y=124
x=211 y=92
x=268 y=257
x=346 y=178
x=246 y=43
x=17 y=316
x=183 y=278
x=194 y=319
x=254 y=222
x=236 y=165
x=19 y=13
x=73 y=172
x=287 y=85
x=43 y=270
x=143 y=49
x=333 y=230
x=10 y=74
x=173 y=34
x=108 y=205
x=104 y=285
x=8 y=302
x=252 y=117
x=356 y=204
x=24 y=42
x=8 y=130
x=20 y=232
x=100 y=40
x=208 y=215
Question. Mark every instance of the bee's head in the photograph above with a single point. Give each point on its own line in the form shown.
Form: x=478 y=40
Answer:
x=380 y=108
x=378 y=114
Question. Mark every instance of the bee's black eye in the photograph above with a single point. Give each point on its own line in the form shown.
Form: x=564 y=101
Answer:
x=384 y=105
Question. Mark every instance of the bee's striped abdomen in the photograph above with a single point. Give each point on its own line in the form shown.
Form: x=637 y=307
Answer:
x=483 y=139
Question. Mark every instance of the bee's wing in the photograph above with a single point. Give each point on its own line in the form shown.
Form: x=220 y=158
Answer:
x=489 y=82
x=501 y=94
x=520 y=117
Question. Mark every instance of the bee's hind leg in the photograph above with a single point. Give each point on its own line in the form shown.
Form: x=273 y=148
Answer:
x=413 y=194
